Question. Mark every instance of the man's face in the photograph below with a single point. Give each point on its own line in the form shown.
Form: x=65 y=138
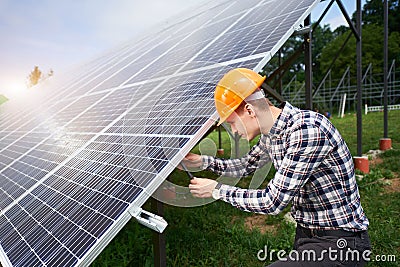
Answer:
x=242 y=124
x=248 y=122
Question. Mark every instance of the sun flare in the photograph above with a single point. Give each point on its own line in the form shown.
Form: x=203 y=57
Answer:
x=14 y=89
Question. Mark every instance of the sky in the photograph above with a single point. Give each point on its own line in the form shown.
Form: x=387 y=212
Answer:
x=60 y=34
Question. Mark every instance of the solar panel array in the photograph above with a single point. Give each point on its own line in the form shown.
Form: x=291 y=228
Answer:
x=81 y=152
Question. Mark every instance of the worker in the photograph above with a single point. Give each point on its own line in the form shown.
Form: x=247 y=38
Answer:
x=314 y=172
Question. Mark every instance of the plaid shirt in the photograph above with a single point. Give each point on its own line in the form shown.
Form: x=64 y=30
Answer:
x=314 y=172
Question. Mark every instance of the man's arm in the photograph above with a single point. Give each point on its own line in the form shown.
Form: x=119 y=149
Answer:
x=308 y=147
x=255 y=158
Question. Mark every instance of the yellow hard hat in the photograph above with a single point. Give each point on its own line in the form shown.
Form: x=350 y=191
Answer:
x=233 y=88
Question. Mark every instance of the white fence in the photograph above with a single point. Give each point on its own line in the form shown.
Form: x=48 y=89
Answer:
x=380 y=108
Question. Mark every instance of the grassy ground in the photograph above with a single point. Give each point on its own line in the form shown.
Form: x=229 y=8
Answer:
x=219 y=235
x=372 y=130
x=3 y=99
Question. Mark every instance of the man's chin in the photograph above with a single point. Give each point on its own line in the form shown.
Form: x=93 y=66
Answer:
x=250 y=138
x=246 y=137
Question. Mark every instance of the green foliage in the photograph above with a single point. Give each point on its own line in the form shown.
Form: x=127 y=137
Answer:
x=34 y=77
x=372 y=51
x=391 y=160
x=326 y=43
x=372 y=41
x=322 y=36
x=373 y=14
x=394 y=46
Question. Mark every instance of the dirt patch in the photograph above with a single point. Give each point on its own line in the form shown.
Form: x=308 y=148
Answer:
x=376 y=161
x=392 y=185
x=258 y=221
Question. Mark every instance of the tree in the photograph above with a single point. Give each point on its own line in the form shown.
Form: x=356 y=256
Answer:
x=372 y=51
x=373 y=14
x=327 y=43
x=321 y=36
x=34 y=77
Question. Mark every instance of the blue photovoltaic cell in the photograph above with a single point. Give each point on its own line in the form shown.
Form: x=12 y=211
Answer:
x=87 y=147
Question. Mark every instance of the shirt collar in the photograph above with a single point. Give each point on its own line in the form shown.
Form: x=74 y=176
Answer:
x=283 y=119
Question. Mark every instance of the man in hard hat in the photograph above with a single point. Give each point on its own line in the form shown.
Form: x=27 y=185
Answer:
x=314 y=171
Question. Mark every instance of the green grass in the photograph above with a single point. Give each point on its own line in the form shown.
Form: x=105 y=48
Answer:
x=382 y=207
x=3 y=99
x=216 y=235
x=372 y=130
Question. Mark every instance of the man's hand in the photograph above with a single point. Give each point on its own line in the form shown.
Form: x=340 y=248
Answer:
x=192 y=161
x=201 y=187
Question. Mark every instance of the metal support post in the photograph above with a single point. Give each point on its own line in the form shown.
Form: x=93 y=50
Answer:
x=385 y=69
x=385 y=143
x=308 y=64
x=220 y=150
x=159 y=249
x=359 y=80
x=237 y=148
x=280 y=76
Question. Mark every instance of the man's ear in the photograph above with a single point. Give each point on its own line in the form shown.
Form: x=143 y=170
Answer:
x=249 y=109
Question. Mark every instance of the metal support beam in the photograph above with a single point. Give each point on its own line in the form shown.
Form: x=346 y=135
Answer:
x=359 y=79
x=280 y=76
x=323 y=14
x=385 y=68
x=219 y=138
x=283 y=68
x=355 y=31
x=236 y=139
x=308 y=64
x=159 y=249
x=237 y=145
x=272 y=93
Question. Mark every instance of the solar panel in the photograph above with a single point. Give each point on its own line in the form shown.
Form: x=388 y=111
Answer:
x=81 y=154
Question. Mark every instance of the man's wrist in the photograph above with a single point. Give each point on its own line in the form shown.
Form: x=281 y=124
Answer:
x=205 y=161
x=215 y=191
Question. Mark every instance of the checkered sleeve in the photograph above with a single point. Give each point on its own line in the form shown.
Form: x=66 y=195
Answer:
x=256 y=157
x=307 y=148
